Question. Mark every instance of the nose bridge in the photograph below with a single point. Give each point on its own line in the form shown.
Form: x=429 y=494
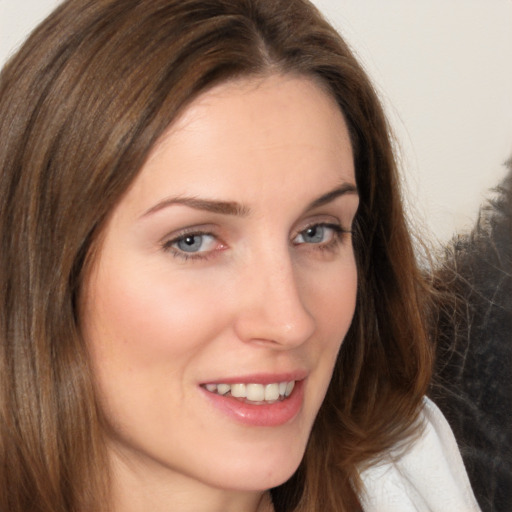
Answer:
x=272 y=307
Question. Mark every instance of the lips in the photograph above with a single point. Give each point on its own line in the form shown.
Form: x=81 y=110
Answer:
x=265 y=401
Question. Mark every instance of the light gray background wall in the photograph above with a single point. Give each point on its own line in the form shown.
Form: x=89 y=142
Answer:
x=444 y=71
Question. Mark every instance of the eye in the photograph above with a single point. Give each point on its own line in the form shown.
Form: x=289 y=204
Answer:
x=320 y=234
x=192 y=245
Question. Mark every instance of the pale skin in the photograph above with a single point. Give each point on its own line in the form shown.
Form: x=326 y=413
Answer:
x=230 y=256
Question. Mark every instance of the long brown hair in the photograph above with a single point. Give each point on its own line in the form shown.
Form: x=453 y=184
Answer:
x=81 y=105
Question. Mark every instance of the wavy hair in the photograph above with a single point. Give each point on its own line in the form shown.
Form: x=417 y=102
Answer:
x=81 y=105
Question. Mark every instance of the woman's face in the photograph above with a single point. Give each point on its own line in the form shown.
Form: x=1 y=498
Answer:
x=224 y=287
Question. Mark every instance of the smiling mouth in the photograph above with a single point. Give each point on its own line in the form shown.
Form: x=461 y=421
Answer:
x=253 y=393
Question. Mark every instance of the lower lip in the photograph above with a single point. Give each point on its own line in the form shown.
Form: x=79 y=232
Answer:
x=265 y=415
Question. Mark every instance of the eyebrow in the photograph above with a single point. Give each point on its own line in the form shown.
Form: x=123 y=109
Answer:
x=346 y=188
x=240 y=210
x=209 y=205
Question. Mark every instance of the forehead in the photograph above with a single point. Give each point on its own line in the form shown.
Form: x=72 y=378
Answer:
x=253 y=136
x=270 y=102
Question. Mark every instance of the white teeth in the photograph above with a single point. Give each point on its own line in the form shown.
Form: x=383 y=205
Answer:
x=254 y=392
x=271 y=392
x=222 y=389
x=238 y=390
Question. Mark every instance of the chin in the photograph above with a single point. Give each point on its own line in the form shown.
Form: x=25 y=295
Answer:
x=260 y=470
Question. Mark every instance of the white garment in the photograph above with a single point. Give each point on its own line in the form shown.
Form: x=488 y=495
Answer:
x=429 y=477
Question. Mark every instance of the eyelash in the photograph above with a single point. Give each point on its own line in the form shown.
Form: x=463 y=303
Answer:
x=339 y=234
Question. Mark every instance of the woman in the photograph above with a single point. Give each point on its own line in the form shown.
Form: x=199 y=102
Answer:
x=199 y=204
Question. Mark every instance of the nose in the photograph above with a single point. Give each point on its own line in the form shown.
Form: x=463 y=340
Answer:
x=271 y=308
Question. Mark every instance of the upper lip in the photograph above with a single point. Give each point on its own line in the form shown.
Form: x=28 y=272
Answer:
x=260 y=378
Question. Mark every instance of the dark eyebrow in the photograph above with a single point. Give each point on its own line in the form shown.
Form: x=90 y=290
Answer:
x=237 y=209
x=346 y=188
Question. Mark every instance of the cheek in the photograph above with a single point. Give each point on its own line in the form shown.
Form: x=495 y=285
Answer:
x=145 y=335
x=135 y=321
x=331 y=299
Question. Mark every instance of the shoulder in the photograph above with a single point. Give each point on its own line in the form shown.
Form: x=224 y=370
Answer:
x=427 y=476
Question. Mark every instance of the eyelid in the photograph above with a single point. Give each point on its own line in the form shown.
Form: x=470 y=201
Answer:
x=199 y=229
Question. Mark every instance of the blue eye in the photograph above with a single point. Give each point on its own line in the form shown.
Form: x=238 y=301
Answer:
x=192 y=243
x=318 y=234
x=314 y=234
